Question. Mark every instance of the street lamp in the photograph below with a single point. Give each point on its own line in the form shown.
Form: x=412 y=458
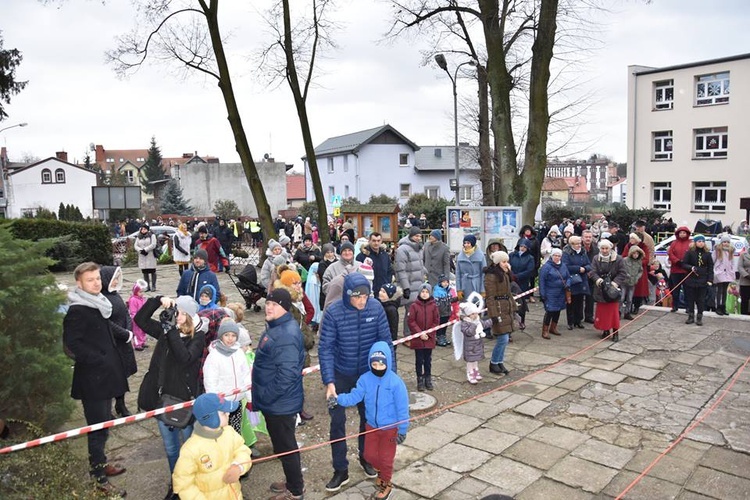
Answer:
x=12 y=126
x=440 y=60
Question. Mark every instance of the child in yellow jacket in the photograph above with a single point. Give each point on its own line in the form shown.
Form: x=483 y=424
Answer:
x=214 y=457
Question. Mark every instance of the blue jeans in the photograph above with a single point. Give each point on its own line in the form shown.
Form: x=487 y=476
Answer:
x=173 y=439
x=498 y=353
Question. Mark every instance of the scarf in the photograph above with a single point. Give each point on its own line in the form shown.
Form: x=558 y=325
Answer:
x=470 y=252
x=439 y=292
x=219 y=346
x=80 y=298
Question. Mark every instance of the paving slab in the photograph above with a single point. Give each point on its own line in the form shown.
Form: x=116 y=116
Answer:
x=489 y=440
x=406 y=454
x=477 y=409
x=470 y=486
x=728 y=461
x=453 y=420
x=622 y=357
x=604 y=377
x=637 y=389
x=545 y=488
x=429 y=438
x=711 y=482
x=603 y=453
x=647 y=488
x=686 y=358
x=509 y=476
x=547 y=378
x=535 y=453
x=603 y=364
x=527 y=388
x=560 y=436
x=668 y=468
x=514 y=424
x=533 y=359
x=573 y=383
x=532 y=408
x=498 y=397
x=571 y=369
x=656 y=364
x=458 y=458
x=425 y=479
x=636 y=371
x=583 y=474
x=551 y=394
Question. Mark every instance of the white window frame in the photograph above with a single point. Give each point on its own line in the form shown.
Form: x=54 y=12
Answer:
x=403 y=159
x=658 y=199
x=465 y=193
x=704 y=203
x=712 y=89
x=404 y=190
x=330 y=165
x=46 y=176
x=60 y=176
x=710 y=142
x=663 y=95
x=435 y=190
x=661 y=145
x=346 y=163
x=129 y=176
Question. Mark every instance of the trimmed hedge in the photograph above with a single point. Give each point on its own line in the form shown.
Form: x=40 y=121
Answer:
x=94 y=239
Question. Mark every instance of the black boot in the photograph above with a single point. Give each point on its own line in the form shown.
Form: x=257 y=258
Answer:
x=441 y=340
x=428 y=382
x=690 y=320
x=495 y=368
x=420 y=384
x=699 y=320
x=153 y=282
x=605 y=333
x=504 y=370
x=615 y=336
x=120 y=408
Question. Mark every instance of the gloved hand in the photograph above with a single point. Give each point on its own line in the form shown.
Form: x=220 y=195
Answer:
x=478 y=336
x=482 y=335
x=495 y=321
x=709 y=283
x=226 y=269
x=599 y=282
x=407 y=292
x=143 y=252
x=400 y=438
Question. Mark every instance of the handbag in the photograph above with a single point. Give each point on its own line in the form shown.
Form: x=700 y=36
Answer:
x=610 y=292
x=568 y=293
x=157 y=252
x=176 y=418
x=576 y=280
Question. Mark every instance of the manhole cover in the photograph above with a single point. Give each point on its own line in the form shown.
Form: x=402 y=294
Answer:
x=420 y=401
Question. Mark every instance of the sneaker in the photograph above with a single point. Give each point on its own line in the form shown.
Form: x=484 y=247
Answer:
x=370 y=471
x=110 y=490
x=471 y=378
x=477 y=375
x=287 y=495
x=383 y=491
x=339 y=479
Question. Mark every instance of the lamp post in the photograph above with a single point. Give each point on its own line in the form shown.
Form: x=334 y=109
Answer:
x=12 y=126
x=440 y=60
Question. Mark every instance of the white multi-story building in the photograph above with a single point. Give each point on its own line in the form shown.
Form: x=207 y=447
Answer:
x=680 y=122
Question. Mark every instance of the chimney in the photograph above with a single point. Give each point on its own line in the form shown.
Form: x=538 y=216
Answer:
x=62 y=155
x=99 y=156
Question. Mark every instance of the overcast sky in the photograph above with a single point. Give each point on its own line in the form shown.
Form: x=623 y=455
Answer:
x=73 y=98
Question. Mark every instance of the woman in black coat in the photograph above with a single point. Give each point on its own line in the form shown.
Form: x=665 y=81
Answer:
x=175 y=365
x=121 y=323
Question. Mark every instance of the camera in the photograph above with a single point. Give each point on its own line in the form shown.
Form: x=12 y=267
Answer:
x=168 y=317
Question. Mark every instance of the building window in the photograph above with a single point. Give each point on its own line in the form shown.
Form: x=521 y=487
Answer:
x=60 y=176
x=712 y=89
x=661 y=198
x=110 y=160
x=346 y=191
x=664 y=94
x=403 y=160
x=331 y=193
x=438 y=153
x=464 y=193
x=46 y=176
x=140 y=159
x=330 y=165
x=122 y=160
x=346 y=163
x=130 y=176
x=710 y=196
x=662 y=145
x=432 y=192
x=711 y=142
x=404 y=190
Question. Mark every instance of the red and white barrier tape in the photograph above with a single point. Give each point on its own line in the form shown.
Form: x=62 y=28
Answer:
x=187 y=404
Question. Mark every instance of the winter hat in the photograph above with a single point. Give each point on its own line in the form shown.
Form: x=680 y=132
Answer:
x=569 y=229
x=437 y=234
x=290 y=277
x=499 y=256
x=273 y=244
x=186 y=304
x=307 y=236
x=635 y=250
x=284 y=240
x=556 y=251
x=471 y=239
x=635 y=237
x=201 y=254
x=228 y=326
x=145 y=225
x=413 y=231
x=207 y=407
x=605 y=243
x=554 y=229
x=328 y=248
x=346 y=246
x=366 y=269
x=699 y=237
x=139 y=285
x=390 y=289
x=725 y=238
x=281 y=297
x=442 y=278
x=201 y=229
x=468 y=308
x=426 y=286
x=377 y=356
x=524 y=242
x=279 y=260
x=243 y=337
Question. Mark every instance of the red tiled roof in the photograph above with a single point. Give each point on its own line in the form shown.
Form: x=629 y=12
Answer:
x=555 y=184
x=579 y=186
x=295 y=187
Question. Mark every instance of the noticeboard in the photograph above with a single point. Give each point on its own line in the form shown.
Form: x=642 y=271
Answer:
x=485 y=223
x=116 y=197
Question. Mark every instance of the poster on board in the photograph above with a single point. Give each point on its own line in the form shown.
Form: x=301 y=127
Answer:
x=485 y=223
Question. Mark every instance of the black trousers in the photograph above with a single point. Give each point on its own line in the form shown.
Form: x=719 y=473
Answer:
x=281 y=431
x=574 y=310
x=721 y=295
x=588 y=308
x=551 y=317
x=675 y=286
x=423 y=361
x=695 y=298
x=744 y=299
x=96 y=411
x=338 y=424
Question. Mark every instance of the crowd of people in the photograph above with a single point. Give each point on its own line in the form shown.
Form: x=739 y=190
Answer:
x=346 y=296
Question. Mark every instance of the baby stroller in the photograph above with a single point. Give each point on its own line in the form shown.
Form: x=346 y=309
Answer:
x=246 y=282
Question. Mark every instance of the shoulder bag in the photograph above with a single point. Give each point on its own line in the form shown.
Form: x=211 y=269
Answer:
x=568 y=293
x=176 y=418
x=609 y=291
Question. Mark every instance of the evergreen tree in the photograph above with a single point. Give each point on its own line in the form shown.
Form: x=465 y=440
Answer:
x=61 y=212
x=152 y=170
x=33 y=359
x=172 y=201
x=226 y=209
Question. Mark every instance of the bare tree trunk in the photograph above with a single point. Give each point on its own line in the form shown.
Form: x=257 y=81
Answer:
x=536 y=145
x=235 y=121
x=485 y=156
x=300 y=103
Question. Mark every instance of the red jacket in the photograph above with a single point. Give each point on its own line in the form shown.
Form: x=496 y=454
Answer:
x=423 y=314
x=677 y=250
x=213 y=249
x=641 y=288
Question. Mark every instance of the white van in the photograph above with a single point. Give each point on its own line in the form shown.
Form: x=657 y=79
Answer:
x=738 y=242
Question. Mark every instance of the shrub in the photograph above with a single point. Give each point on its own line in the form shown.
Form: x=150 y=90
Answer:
x=625 y=216
x=433 y=208
x=36 y=374
x=94 y=238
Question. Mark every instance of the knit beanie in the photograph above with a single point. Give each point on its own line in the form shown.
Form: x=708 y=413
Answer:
x=290 y=277
x=366 y=269
x=725 y=238
x=201 y=254
x=186 y=304
x=346 y=246
x=471 y=239
x=284 y=240
x=569 y=229
x=413 y=231
x=699 y=237
x=524 y=242
x=556 y=251
x=390 y=289
x=243 y=337
x=273 y=244
x=554 y=229
x=437 y=234
x=228 y=327
x=328 y=248
x=426 y=286
x=635 y=237
x=279 y=260
x=499 y=256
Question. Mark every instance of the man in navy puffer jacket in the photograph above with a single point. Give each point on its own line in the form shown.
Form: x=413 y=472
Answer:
x=349 y=328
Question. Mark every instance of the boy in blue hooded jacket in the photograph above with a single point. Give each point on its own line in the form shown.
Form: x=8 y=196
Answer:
x=387 y=414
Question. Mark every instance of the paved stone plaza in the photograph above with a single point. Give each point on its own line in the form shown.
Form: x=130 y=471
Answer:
x=585 y=428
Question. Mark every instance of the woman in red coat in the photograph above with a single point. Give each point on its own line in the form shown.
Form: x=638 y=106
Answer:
x=640 y=294
x=423 y=315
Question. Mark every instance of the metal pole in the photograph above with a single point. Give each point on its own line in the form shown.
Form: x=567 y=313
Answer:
x=455 y=137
